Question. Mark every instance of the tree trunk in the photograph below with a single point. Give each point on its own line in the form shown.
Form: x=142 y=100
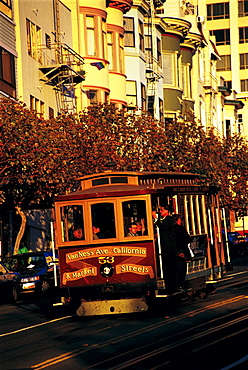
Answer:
x=232 y=220
x=22 y=229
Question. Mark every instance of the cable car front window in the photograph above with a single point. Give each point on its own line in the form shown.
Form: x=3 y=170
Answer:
x=103 y=221
x=134 y=218
x=72 y=225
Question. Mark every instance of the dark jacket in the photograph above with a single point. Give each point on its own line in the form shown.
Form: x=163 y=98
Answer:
x=182 y=240
x=167 y=234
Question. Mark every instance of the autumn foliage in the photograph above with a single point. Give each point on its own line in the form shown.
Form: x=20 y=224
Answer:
x=40 y=158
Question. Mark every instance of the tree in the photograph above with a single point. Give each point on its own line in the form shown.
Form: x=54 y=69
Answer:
x=33 y=166
x=41 y=158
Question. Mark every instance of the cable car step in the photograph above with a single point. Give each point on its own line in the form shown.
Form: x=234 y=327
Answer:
x=112 y=307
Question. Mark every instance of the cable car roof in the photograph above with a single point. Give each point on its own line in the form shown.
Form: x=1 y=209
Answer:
x=109 y=183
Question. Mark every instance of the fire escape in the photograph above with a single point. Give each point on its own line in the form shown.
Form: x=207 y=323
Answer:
x=61 y=68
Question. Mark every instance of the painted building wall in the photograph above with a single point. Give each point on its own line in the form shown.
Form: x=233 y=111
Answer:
x=207 y=102
x=8 y=52
x=135 y=60
x=39 y=15
x=232 y=47
x=98 y=35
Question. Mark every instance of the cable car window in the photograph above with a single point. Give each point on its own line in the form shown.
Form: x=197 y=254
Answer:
x=195 y=211
x=189 y=215
x=103 y=221
x=201 y=214
x=118 y=180
x=103 y=181
x=134 y=218
x=72 y=225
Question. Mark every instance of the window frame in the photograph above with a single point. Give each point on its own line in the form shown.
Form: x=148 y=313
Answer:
x=228 y=84
x=94 y=99
x=7 y=68
x=110 y=48
x=129 y=95
x=228 y=127
x=175 y=76
x=89 y=233
x=141 y=35
x=121 y=53
x=143 y=95
x=90 y=35
x=243 y=35
x=61 y=235
x=33 y=35
x=104 y=39
x=227 y=63
x=186 y=80
x=161 y=109
x=122 y=200
x=242 y=12
x=212 y=11
x=148 y=49
x=225 y=40
x=243 y=64
x=159 y=51
x=128 y=33
x=244 y=85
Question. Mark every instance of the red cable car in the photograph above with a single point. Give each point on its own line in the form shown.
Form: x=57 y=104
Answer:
x=109 y=255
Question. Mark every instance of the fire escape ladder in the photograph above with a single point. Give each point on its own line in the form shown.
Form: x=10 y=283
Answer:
x=61 y=67
x=63 y=76
x=152 y=67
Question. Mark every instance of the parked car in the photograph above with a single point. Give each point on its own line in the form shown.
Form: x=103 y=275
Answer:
x=9 y=284
x=238 y=244
x=36 y=271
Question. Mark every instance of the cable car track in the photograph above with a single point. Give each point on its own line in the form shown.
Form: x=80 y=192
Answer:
x=198 y=337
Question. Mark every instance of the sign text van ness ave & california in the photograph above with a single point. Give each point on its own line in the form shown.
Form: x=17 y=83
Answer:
x=96 y=252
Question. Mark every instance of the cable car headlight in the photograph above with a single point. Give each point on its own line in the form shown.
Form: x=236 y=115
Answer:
x=106 y=270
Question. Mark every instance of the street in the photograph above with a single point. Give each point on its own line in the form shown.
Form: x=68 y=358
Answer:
x=209 y=333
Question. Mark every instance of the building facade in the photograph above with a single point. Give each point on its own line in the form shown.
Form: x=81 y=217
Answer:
x=98 y=36
x=167 y=57
x=48 y=69
x=8 y=53
x=227 y=22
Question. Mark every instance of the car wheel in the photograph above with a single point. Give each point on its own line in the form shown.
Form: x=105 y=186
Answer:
x=14 y=295
x=45 y=286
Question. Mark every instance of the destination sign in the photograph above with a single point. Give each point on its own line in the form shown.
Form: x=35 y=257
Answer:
x=186 y=189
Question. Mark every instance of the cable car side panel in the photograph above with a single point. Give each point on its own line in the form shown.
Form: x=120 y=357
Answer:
x=125 y=263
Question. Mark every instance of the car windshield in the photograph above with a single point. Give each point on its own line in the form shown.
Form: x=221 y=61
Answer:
x=25 y=262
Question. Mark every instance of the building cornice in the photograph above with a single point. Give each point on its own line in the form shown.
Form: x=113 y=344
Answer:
x=177 y=26
x=95 y=87
x=226 y=91
x=92 y=11
x=115 y=28
x=192 y=41
x=142 y=6
x=237 y=103
x=123 y=5
x=158 y=22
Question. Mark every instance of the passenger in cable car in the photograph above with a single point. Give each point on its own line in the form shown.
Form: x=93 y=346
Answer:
x=133 y=230
x=76 y=233
x=141 y=227
x=97 y=234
